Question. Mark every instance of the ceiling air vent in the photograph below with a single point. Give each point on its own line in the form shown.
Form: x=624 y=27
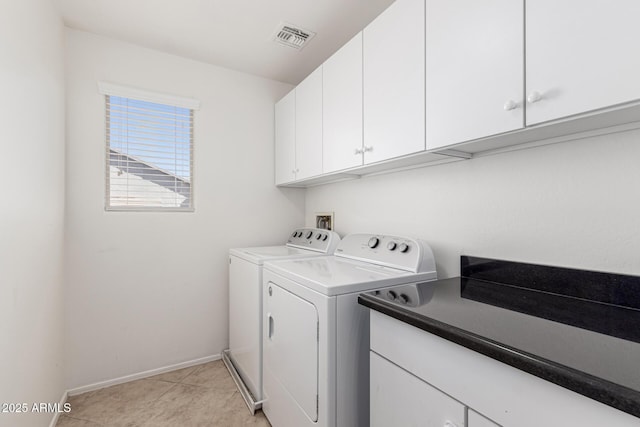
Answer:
x=292 y=36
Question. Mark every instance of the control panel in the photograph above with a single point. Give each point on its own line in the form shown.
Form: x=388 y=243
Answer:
x=403 y=253
x=314 y=239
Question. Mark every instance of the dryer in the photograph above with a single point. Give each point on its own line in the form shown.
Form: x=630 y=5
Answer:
x=244 y=356
x=316 y=336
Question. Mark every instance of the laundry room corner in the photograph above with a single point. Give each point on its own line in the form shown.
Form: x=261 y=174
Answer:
x=147 y=290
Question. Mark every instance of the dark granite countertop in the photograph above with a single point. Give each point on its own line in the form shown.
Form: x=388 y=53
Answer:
x=598 y=360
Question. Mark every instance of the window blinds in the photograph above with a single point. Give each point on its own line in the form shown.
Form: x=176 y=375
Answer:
x=149 y=155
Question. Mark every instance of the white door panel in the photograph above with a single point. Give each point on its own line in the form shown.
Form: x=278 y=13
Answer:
x=581 y=55
x=291 y=345
x=393 y=56
x=476 y=420
x=342 y=107
x=474 y=69
x=401 y=399
x=285 y=139
x=309 y=126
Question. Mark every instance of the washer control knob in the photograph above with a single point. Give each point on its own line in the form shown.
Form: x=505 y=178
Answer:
x=403 y=247
x=392 y=246
x=309 y=234
x=403 y=299
x=325 y=237
x=392 y=295
x=373 y=242
x=318 y=236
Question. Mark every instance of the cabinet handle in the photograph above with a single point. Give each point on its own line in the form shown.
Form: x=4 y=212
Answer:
x=534 y=96
x=269 y=325
x=359 y=151
x=510 y=105
x=368 y=149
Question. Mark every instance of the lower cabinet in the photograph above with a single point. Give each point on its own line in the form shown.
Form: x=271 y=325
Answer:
x=399 y=399
x=418 y=378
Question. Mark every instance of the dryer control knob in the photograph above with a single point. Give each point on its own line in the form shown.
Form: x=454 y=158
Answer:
x=309 y=234
x=392 y=246
x=325 y=237
x=403 y=247
x=318 y=236
x=392 y=295
x=373 y=242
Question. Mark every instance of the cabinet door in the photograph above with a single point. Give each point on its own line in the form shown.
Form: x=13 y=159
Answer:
x=474 y=69
x=581 y=56
x=309 y=126
x=342 y=108
x=285 y=144
x=393 y=55
x=476 y=420
x=401 y=399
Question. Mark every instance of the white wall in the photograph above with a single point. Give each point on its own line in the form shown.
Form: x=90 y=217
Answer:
x=573 y=204
x=148 y=290
x=32 y=207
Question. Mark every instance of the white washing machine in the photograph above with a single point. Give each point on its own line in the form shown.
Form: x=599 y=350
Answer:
x=316 y=336
x=244 y=356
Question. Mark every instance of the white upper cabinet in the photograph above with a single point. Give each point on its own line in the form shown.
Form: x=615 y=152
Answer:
x=285 y=139
x=342 y=108
x=476 y=420
x=308 y=128
x=394 y=82
x=474 y=69
x=581 y=56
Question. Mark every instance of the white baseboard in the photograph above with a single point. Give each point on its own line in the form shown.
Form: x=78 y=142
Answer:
x=140 y=375
x=56 y=415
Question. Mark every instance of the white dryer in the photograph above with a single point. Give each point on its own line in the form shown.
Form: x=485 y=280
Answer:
x=244 y=356
x=316 y=336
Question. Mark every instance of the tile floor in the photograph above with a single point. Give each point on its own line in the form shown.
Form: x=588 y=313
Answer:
x=202 y=395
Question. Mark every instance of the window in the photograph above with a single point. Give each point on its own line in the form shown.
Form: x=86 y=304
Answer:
x=149 y=151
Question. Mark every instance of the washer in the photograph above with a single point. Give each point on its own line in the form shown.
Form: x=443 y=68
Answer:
x=316 y=336
x=244 y=356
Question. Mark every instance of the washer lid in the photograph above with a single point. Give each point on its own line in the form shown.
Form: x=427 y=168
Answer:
x=258 y=255
x=332 y=275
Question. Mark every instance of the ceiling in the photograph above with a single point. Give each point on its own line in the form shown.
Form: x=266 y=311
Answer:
x=235 y=34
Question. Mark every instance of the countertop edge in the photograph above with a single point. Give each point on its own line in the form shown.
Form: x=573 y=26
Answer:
x=603 y=391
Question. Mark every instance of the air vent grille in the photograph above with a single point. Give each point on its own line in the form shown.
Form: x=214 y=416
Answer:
x=292 y=36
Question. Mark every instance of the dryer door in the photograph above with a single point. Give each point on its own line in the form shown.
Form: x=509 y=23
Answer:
x=291 y=346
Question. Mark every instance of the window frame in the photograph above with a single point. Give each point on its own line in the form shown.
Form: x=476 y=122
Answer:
x=109 y=90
